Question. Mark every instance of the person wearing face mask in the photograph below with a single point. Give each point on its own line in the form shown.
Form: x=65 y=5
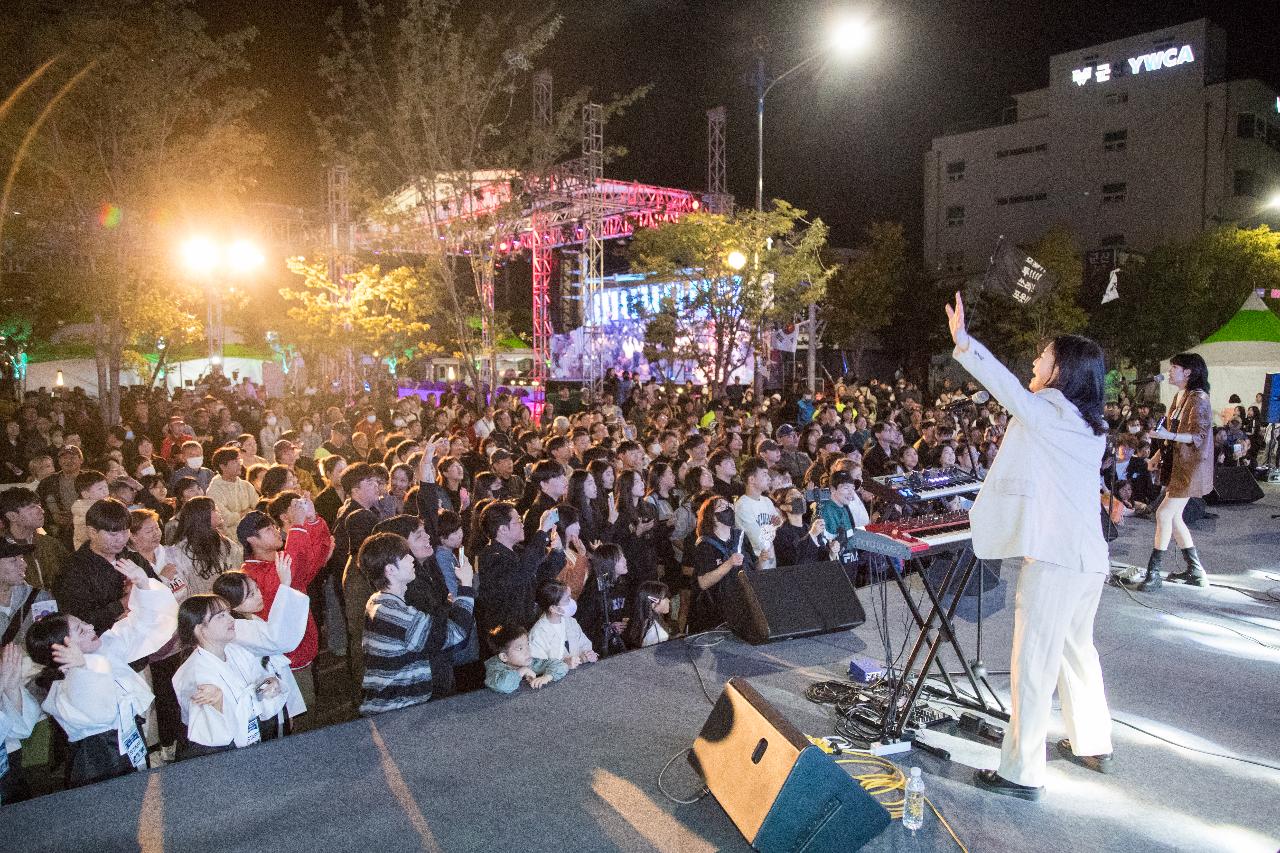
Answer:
x=717 y=554
x=309 y=439
x=269 y=434
x=796 y=544
x=192 y=466
x=146 y=463
x=556 y=635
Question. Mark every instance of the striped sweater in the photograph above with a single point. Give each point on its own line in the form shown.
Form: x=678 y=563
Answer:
x=398 y=643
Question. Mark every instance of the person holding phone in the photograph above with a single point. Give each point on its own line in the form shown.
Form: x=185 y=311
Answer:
x=717 y=554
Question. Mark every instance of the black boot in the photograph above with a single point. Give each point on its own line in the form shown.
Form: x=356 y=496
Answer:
x=1153 y=578
x=1193 y=574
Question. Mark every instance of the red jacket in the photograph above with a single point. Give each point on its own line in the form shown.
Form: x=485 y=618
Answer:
x=308 y=546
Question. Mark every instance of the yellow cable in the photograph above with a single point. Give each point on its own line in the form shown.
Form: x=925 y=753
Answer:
x=882 y=783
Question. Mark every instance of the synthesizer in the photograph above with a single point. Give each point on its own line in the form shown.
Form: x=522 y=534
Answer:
x=913 y=537
x=927 y=485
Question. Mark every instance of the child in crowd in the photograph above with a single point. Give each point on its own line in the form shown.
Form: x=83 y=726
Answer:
x=515 y=662
x=228 y=697
x=556 y=634
x=91 y=486
x=93 y=693
x=650 y=606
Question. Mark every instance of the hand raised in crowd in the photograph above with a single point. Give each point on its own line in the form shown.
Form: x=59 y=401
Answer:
x=956 y=323
x=284 y=568
x=132 y=572
x=817 y=529
x=464 y=573
x=548 y=520
x=67 y=656
x=11 y=659
x=613 y=508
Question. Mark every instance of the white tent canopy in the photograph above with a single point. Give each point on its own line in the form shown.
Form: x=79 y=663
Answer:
x=1239 y=355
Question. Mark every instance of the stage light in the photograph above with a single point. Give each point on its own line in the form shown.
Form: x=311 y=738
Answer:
x=736 y=260
x=696 y=204
x=850 y=36
x=503 y=246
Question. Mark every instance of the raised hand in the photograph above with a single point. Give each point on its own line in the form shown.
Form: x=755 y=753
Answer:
x=10 y=670
x=67 y=656
x=465 y=574
x=956 y=323
x=132 y=572
x=284 y=568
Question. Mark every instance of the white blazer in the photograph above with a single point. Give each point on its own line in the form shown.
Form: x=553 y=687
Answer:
x=106 y=693
x=1040 y=498
x=547 y=639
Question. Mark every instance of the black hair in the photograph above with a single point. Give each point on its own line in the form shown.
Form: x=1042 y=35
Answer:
x=108 y=515
x=279 y=505
x=42 y=636
x=1079 y=369
x=503 y=636
x=751 y=466
x=647 y=597
x=496 y=516
x=1194 y=362
x=234 y=586
x=550 y=594
x=15 y=499
x=605 y=560
x=194 y=612
x=88 y=478
x=448 y=522
x=207 y=547
x=223 y=456
x=274 y=479
x=379 y=551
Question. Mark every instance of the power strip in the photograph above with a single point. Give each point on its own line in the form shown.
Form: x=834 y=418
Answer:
x=890 y=748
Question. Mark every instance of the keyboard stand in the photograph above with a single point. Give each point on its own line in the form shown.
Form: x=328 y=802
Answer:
x=929 y=642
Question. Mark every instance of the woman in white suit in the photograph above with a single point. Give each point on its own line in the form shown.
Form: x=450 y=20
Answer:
x=1039 y=502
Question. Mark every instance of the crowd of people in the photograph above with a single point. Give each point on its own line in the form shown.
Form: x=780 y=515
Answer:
x=170 y=584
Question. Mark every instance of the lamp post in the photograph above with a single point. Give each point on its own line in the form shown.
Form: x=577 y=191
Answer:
x=207 y=259
x=847 y=38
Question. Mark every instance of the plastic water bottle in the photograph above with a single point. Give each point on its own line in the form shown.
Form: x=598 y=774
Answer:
x=913 y=807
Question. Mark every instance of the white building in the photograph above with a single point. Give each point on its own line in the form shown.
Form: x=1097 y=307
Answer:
x=1133 y=143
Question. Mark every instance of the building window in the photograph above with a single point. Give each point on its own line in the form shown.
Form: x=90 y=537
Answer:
x=1246 y=183
x=955 y=171
x=955 y=216
x=1115 y=140
x=1114 y=193
x=953 y=262
x=1020 y=199
x=1115 y=98
x=1026 y=149
x=1112 y=240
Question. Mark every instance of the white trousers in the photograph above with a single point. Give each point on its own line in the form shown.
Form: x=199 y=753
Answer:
x=1053 y=646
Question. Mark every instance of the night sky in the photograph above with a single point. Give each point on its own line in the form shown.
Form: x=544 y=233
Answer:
x=844 y=142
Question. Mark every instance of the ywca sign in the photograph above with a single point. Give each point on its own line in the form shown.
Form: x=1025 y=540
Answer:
x=1144 y=64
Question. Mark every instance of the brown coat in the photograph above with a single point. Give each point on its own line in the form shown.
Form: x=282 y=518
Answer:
x=1192 y=463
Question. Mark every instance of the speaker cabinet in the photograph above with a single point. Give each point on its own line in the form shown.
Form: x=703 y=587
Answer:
x=1234 y=485
x=782 y=792
x=796 y=601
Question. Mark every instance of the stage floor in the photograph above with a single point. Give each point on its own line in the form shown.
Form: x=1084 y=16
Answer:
x=574 y=766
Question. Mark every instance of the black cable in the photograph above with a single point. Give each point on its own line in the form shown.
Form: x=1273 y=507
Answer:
x=688 y=647
x=1129 y=592
x=1194 y=749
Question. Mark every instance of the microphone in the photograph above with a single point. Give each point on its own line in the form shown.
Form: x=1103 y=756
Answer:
x=1156 y=378
x=978 y=399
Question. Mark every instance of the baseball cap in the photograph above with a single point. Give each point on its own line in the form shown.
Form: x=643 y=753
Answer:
x=785 y=430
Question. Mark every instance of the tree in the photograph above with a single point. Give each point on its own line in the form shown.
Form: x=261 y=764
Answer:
x=1016 y=332
x=424 y=112
x=714 y=313
x=863 y=293
x=371 y=311
x=1181 y=292
x=144 y=133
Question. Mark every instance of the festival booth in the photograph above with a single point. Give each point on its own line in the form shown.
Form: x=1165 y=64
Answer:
x=1239 y=355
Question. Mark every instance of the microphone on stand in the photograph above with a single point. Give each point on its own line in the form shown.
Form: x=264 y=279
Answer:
x=1156 y=378
x=977 y=399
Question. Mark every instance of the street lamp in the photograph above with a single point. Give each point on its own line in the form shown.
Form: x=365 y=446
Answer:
x=848 y=37
x=206 y=259
x=736 y=260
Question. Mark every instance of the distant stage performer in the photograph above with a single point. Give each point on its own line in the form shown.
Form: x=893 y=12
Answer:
x=1185 y=462
x=1039 y=502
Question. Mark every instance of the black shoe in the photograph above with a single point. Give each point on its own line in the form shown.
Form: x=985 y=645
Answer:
x=1096 y=763
x=1152 y=579
x=1193 y=574
x=993 y=781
